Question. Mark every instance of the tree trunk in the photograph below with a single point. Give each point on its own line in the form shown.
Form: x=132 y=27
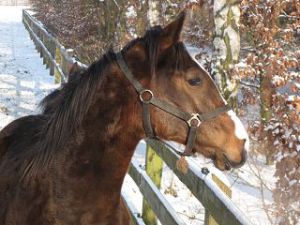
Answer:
x=142 y=20
x=226 y=47
x=154 y=12
x=266 y=93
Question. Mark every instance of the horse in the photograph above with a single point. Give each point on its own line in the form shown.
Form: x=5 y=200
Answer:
x=66 y=165
x=49 y=103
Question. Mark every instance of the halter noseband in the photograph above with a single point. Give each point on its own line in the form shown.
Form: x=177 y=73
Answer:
x=147 y=98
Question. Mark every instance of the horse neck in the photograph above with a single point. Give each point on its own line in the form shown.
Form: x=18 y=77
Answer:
x=87 y=176
x=107 y=138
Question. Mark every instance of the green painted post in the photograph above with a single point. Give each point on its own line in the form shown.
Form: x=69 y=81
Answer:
x=57 y=75
x=154 y=166
x=52 y=49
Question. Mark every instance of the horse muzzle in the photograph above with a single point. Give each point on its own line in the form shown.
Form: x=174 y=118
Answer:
x=229 y=164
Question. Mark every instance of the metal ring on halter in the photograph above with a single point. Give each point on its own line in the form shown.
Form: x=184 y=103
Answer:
x=143 y=92
x=195 y=116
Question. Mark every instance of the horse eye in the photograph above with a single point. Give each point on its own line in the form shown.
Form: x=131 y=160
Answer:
x=194 y=81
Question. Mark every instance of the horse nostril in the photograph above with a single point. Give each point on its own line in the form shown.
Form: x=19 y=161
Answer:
x=235 y=164
x=244 y=156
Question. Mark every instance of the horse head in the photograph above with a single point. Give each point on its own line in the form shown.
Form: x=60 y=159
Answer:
x=162 y=64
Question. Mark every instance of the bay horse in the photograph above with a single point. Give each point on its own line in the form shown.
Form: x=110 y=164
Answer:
x=66 y=165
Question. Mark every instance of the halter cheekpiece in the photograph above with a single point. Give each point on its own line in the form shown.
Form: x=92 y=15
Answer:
x=147 y=98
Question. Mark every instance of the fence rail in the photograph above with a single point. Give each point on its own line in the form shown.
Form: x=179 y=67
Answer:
x=200 y=182
x=203 y=187
x=56 y=57
x=15 y=2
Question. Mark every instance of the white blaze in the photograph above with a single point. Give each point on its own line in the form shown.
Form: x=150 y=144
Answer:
x=240 y=131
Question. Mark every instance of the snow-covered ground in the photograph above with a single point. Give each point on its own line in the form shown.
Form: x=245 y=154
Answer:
x=24 y=79
x=23 y=83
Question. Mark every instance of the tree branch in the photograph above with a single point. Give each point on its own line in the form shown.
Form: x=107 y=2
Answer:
x=249 y=84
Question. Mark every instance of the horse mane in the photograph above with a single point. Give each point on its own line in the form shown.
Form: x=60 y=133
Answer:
x=49 y=103
x=53 y=99
x=66 y=107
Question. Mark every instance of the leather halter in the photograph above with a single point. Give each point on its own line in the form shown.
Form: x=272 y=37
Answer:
x=147 y=98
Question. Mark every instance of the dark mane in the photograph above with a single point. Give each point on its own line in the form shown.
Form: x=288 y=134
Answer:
x=150 y=40
x=67 y=107
x=55 y=98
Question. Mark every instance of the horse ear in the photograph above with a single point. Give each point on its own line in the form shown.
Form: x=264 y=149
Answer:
x=171 y=33
x=138 y=51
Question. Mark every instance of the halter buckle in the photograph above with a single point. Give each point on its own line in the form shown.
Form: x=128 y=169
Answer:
x=195 y=117
x=149 y=96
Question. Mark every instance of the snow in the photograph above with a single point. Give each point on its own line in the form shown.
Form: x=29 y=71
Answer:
x=219 y=8
x=251 y=188
x=234 y=45
x=277 y=79
x=192 y=1
x=24 y=81
x=131 y=12
x=221 y=46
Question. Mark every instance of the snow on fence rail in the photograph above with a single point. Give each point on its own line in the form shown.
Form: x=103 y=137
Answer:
x=204 y=186
x=56 y=57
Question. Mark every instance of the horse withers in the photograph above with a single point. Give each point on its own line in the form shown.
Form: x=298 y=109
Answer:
x=66 y=165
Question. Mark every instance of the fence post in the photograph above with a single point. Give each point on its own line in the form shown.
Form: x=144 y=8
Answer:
x=209 y=220
x=52 y=50
x=57 y=75
x=154 y=166
x=47 y=59
x=43 y=53
x=70 y=55
x=66 y=60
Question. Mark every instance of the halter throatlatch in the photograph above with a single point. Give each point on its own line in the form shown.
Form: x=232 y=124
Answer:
x=147 y=98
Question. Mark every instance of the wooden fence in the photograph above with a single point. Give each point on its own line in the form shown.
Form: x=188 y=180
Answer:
x=207 y=188
x=14 y=2
x=56 y=57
